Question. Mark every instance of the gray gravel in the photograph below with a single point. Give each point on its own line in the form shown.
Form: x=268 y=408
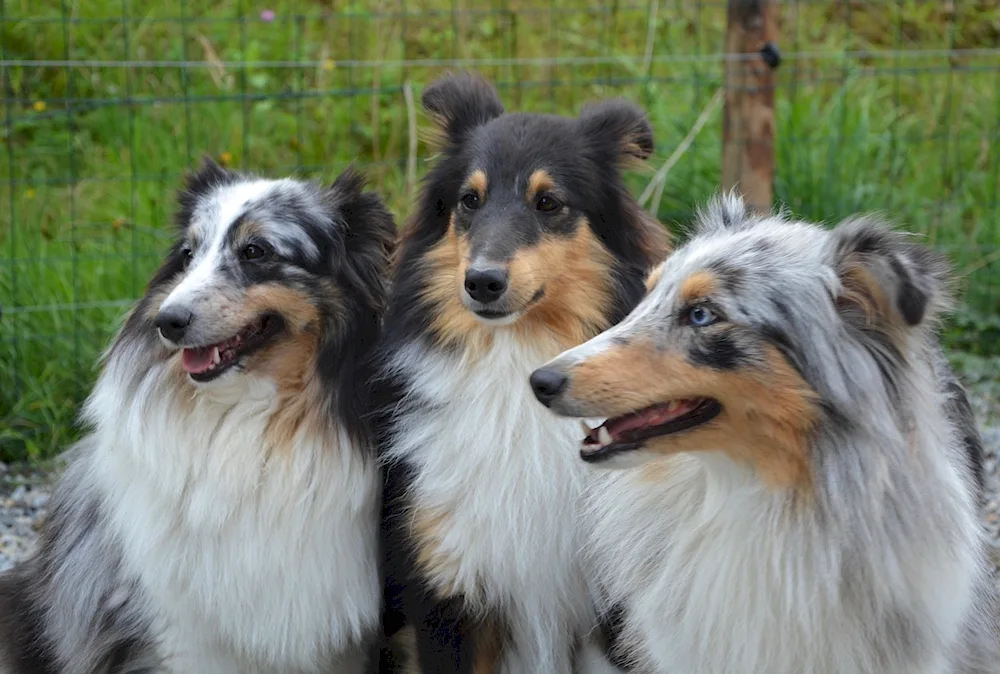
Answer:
x=24 y=494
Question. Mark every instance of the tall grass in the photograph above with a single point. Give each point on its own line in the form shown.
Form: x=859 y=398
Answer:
x=92 y=153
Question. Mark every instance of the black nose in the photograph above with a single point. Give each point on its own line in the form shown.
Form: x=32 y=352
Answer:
x=547 y=385
x=173 y=323
x=485 y=284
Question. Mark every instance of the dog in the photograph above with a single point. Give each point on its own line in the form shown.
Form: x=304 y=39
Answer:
x=221 y=515
x=524 y=242
x=797 y=493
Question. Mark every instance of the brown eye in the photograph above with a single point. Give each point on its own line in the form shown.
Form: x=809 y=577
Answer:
x=254 y=251
x=548 y=204
x=470 y=201
x=186 y=256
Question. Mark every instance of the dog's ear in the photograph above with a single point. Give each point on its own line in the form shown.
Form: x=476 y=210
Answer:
x=459 y=102
x=197 y=184
x=724 y=212
x=210 y=174
x=886 y=280
x=369 y=239
x=620 y=126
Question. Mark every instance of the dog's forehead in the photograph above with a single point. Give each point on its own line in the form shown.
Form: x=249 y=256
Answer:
x=744 y=262
x=286 y=211
x=512 y=147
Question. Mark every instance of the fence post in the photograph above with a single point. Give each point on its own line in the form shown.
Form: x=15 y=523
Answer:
x=748 y=114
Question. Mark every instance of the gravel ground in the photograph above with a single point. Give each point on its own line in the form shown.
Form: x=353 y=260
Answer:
x=24 y=494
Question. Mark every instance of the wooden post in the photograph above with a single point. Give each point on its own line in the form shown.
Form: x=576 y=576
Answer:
x=748 y=115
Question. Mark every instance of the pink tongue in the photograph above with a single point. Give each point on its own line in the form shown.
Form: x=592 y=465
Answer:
x=197 y=361
x=652 y=416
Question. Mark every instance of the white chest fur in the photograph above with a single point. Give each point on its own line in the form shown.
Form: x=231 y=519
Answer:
x=253 y=558
x=718 y=576
x=501 y=473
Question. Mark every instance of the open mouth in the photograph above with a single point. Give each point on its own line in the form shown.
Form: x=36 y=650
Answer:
x=205 y=363
x=629 y=431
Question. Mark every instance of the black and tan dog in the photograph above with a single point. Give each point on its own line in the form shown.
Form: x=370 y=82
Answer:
x=525 y=242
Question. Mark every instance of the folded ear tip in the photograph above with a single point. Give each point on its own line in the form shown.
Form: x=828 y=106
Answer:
x=914 y=275
x=625 y=120
x=912 y=303
x=461 y=100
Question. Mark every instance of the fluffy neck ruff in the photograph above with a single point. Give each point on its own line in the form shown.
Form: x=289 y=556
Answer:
x=719 y=571
x=258 y=476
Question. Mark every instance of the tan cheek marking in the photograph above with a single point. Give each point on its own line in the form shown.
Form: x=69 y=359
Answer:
x=290 y=362
x=296 y=308
x=539 y=181
x=698 y=286
x=445 y=266
x=478 y=182
x=303 y=406
x=576 y=274
x=768 y=412
x=654 y=276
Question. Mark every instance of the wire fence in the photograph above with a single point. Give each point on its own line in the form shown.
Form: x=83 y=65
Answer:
x=891 y=105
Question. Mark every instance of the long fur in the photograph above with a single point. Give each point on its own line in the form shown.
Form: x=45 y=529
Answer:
x=480 y=507
x=218 y=527
x=873 y=559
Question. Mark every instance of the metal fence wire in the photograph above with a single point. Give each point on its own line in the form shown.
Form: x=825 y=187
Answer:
x=891 y=105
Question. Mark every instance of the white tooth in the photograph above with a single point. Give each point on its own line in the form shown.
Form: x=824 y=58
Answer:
x=603 y=435
x=216 y=358
x=672 y=405
x=585 y=428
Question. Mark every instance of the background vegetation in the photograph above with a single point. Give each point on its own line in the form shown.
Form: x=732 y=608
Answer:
x=891 y=104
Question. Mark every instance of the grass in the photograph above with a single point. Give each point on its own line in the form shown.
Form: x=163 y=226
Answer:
x=92 y=153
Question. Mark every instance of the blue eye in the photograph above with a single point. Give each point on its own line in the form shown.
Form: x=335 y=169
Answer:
x=701 y=316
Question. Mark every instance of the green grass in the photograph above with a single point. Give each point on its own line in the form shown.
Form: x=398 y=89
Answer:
x=93 y=154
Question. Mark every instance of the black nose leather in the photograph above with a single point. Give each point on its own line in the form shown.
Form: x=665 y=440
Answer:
x=173 y=323
x=547 y=385
x=486 y=284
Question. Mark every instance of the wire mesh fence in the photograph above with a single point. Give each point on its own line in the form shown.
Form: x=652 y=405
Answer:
x=891 y=104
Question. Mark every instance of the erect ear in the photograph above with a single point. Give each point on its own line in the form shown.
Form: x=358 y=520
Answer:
x=885 y=278
x=724 y=212
x=620 y=126
x=459 y=102
x=209 y=174
x=199 y=183
x=369 y=239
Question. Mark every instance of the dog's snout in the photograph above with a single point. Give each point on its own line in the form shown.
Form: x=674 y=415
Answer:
x=547 y=385
x=173 y=323
x=486 y=284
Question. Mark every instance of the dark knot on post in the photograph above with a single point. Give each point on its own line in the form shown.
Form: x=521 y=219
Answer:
x=771 y=54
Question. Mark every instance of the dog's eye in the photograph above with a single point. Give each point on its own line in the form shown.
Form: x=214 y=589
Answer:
x=470 y=201
x=186 y=256
x=548 y=204
x=701 y=316
x=254 y=251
